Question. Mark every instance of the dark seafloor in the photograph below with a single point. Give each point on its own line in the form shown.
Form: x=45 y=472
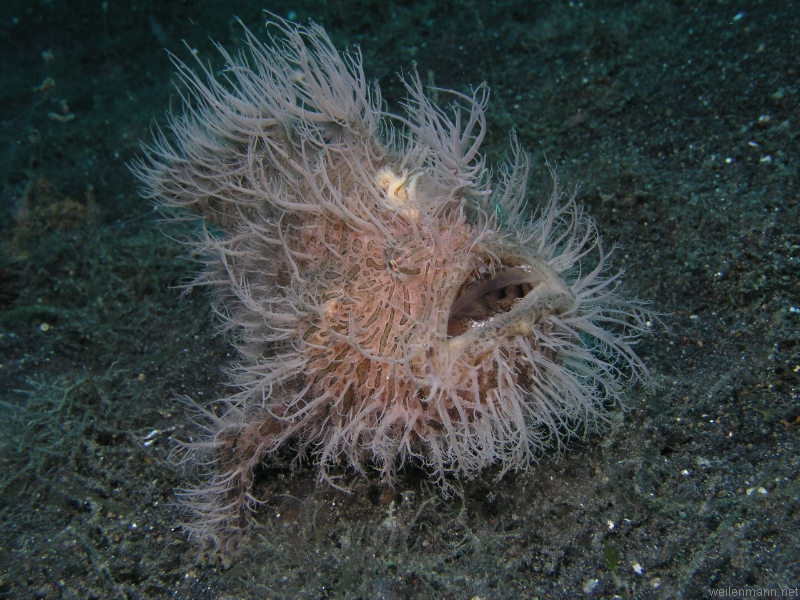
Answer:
x=680 y=120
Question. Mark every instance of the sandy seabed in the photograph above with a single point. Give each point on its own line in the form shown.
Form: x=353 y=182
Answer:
x=680 y=123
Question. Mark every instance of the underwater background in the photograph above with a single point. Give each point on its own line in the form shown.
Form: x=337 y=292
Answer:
x=679 y=121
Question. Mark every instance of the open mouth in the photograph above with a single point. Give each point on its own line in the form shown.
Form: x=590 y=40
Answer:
x=483 y=298
x=507 y=302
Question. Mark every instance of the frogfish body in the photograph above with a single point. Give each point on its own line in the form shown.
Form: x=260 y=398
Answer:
x=389 y=301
